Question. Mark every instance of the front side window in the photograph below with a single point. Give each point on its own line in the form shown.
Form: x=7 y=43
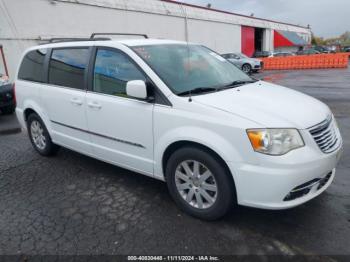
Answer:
x=112 y=71
x=240 y=55
x=67 y=67
x=32 y=67
x=188 y=67
x=227 y=56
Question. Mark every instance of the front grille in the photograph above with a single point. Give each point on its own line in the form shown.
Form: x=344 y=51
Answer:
x=326 y=136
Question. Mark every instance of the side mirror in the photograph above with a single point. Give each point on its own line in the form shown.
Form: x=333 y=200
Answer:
x=136 y=89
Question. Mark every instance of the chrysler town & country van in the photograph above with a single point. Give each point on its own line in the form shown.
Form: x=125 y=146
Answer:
x=180 y=113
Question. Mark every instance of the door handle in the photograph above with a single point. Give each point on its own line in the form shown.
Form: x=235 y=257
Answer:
x=94 y=105
x=76 y=101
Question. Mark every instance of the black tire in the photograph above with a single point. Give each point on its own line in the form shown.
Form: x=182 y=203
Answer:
x=50 y=148
x=247 y=68
x=8 y=110
x=226 y=194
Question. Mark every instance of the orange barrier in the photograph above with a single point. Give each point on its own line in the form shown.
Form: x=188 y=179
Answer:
x=339 y=60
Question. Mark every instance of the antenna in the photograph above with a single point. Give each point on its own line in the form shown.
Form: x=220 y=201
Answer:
x=190 y=96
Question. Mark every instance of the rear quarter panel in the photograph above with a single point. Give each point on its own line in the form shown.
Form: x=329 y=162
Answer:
x=29 y=97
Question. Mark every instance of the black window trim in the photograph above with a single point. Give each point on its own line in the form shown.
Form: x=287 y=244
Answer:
x=46 y=65
x=48 y=61
x=43 y=71
x=159 y=97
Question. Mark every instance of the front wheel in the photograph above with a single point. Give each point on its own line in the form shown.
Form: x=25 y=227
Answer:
x=199 y=183
x=246 y=68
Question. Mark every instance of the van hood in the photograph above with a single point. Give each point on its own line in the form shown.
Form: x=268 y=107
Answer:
x=269 y=105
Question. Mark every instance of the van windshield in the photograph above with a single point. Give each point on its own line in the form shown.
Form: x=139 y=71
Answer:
x=186 y=68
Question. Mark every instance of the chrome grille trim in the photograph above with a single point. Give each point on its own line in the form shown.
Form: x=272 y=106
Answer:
x=326 y=135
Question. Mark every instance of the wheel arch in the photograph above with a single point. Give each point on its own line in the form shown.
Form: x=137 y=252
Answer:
x=28 y=111
x=31 y=107
x=187 y=143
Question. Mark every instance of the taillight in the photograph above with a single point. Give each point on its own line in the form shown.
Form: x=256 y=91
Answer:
x=14 y=94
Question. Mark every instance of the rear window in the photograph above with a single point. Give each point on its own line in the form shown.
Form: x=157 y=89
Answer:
x=32 y=67
x=67 y=67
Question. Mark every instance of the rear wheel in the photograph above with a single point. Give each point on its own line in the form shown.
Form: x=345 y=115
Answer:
x=246 y=68
x=199 y=183
x=40 y=137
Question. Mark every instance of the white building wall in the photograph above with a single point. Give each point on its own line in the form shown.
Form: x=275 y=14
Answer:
x=268 y=39
x=24 y=23
x=223 y=38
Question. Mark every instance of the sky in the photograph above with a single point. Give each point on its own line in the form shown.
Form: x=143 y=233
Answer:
x=326 y=18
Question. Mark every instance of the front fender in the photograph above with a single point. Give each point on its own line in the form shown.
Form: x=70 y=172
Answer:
x=205 y=137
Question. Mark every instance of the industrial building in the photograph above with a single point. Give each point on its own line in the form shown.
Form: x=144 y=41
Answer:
x=27 y=23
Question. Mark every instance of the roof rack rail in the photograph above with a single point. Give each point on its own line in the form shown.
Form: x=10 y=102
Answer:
x=72 y=39
x=92 y=37
x=130 y=34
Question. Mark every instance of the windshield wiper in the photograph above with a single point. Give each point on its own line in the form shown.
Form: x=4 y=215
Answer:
x=198 y=90
x=237 y=83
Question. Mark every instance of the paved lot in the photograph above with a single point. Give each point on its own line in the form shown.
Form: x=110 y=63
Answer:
x=72 y=204
x=9 y=125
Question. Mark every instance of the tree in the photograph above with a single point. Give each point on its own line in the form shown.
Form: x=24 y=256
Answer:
x=345 y=38
x=315 y=40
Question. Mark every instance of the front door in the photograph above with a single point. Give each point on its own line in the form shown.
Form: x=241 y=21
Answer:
x=121 y=128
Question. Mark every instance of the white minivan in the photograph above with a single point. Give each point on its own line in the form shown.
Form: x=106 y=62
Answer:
x=180 y=113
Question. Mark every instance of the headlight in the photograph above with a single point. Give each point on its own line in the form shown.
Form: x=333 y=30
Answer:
x=275 y=141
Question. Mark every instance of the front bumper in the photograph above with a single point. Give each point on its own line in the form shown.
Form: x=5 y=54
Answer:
x=6 y=96
x=7 y=103
x=256 y=68
x=276 y=183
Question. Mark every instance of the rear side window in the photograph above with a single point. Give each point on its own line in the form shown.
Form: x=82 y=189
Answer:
x=67 y=67
x=32 y=67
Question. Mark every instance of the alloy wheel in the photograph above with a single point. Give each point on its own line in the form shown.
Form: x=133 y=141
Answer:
x=37 y=133
x=246 y=68
x=196 y=184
